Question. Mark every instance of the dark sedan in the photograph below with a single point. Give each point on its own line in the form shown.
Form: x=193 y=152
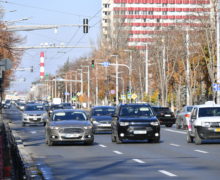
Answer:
x=135 y=122
x=68 y=125
x=101 y=118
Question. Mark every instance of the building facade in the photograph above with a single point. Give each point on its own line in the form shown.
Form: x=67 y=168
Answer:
x=144 y=19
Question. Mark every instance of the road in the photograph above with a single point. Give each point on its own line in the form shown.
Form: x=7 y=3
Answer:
x=172 y=158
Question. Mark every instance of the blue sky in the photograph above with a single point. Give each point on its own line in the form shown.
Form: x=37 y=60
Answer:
x=50 y=12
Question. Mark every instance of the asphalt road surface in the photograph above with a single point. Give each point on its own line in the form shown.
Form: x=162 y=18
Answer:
x=172 y=158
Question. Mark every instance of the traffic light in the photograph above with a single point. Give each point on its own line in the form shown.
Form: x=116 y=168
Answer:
x=93 y=63
x=85 y=25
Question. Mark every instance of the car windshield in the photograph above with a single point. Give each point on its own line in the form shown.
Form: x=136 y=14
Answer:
x=103 y=111
x=161 y=109
x=34 y=108
x=57 y=107
x=209 y=111
x=60 y=116
x=136 y=111
x=189 y=108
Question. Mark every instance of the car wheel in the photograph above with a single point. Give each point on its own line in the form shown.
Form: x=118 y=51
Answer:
x=168 y=125
x=113 y=138
x=118 y=141
x=90 y=142
x=189 y=138
x=197 y=139
x=23 y=124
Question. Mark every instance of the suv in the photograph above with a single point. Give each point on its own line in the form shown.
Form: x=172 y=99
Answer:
x=165 y=116
x=204 y=123
x=135 y=122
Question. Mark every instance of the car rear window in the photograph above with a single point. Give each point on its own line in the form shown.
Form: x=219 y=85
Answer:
x=189 y=109
x=161 y=109
x=136 y=111
x=103 y=111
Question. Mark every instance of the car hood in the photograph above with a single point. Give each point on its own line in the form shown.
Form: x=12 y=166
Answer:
x=70 y=123
x=34 y=112
x=102 y=118
x=138 y=119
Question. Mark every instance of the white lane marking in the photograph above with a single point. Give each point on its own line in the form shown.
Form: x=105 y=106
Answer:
x=117 y=152
x=167 y=173
x=176 y=145
x=138 y=161
x=204 y=152
x=101 y=145
x=33 y=132
x=180 y=132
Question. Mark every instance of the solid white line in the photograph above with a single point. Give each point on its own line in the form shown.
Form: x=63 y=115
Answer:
x=176 y=145
x=204 y=152
x=138 y=161
x=101 y=145
x=117 y=152
x=180 y=132
x=167 y=173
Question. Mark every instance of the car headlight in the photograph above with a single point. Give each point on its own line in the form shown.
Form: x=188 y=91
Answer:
x=206 y=124
x=155 y=123
x=54 y=127
x=124 y=123
x=94 y=121
x=25 y=115
x=87 y=127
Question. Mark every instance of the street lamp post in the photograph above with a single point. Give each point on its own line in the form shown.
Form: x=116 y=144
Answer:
x=116 y=77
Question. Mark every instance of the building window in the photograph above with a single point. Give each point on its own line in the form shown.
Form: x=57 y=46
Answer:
x=164 y=12
x=150 y=12
x=130 y=12
x=106 y=5
x=136 y=12
x=158 y=20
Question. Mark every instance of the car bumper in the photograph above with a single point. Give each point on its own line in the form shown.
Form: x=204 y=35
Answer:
x=56 y=136
x=208 y=133
x=138 y=133
x=102 y=128
x=33 y=121
x=165 y=121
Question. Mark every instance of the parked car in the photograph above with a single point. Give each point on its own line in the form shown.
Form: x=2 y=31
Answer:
x=68 y=125
x=101 y=118
x=164 y=115
x=135 y=122
x=204 y=123
x=34 y=114
x=183 y=117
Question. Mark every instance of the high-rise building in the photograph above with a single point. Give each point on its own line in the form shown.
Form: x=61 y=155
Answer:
x=143 y=19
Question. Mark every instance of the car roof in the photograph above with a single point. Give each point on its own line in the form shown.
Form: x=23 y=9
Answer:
x=68 y=110
x=103 y=107
x=135 y=104
x=208 y=104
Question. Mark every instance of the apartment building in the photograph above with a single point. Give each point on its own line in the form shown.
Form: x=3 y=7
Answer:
x=144 y=19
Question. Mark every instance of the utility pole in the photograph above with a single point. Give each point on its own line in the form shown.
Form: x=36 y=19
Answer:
x=116 y=78
x=188 y=102
x=88 y=77
x=146 y=69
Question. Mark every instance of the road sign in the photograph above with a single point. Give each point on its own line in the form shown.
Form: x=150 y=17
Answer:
x=106 y=64
x=123 y=97
x=134 y=96
x=216 y=87
x=129 y=95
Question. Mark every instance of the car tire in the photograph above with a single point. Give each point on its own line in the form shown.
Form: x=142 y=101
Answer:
x=169 y=125
x=156 y=140
x=90 y=142
x=49 y=142
x=113 y=138
x=118 y=141
x=23 y=124
x=197 y=139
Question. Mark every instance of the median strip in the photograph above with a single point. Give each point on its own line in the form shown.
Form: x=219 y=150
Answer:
x=167 y=173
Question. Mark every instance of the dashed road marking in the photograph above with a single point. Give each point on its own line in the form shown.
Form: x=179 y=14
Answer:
x=138 y=161
x=176 y=145
x=180 y=132
x=117 y=152
x=101 y=145
x=167 y=173
x=204 y=152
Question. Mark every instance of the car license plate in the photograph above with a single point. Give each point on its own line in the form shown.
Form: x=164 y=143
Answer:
x=140 y=132
x=71 y=135
x=217 y=130
x=105 y=125
x=34 y=118
x=167 y=115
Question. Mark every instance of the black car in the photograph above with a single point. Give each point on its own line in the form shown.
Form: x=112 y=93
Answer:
x=101 y=118
x=135 y=122
x=165 y=116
